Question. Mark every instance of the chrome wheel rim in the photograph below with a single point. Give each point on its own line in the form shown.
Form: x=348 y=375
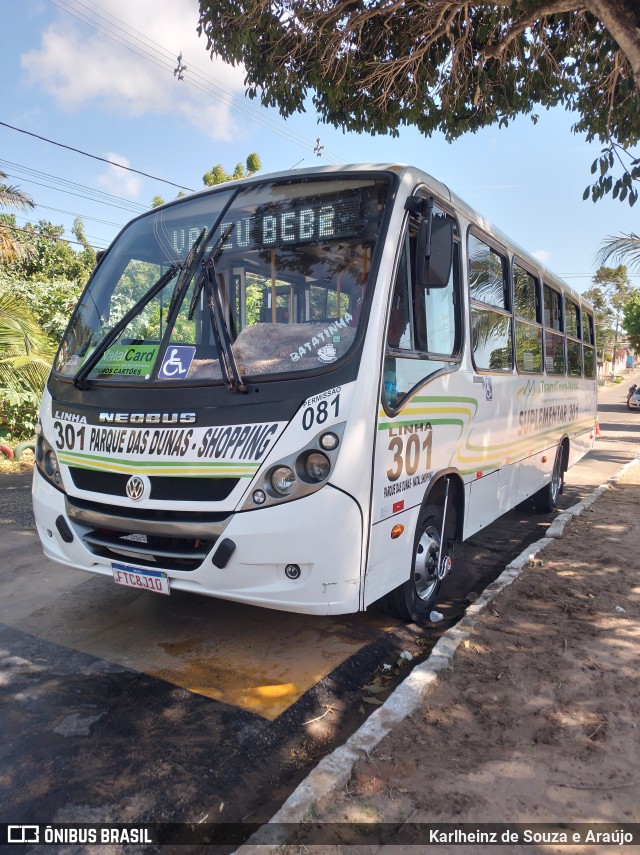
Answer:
x=556 y=477
x=425 y=574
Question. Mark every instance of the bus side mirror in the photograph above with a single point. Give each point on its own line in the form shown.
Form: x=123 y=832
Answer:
x=99 y=256
x=434 y=254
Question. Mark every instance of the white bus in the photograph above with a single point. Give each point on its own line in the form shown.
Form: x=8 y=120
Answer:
x=300 y=390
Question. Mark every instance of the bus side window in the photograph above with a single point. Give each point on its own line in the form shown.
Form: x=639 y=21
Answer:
x=588 y=344
x=528 y=321
x=491 y=319
x=574 y=346
x=554 y=359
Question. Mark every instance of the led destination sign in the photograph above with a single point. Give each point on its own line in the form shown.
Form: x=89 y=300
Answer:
x=280 y=226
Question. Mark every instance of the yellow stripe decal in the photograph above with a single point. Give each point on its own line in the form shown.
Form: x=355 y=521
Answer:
x=179 y=468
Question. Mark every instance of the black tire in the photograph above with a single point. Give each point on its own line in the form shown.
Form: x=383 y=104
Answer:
x=413 y=600
x=546 y=499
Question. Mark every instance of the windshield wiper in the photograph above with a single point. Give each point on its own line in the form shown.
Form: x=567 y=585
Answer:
x=214 y=255
x=108 y=340
x=188 y=269
x=228 y=366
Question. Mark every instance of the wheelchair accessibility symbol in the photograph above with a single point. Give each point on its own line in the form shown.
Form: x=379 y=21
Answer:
x=177 y=361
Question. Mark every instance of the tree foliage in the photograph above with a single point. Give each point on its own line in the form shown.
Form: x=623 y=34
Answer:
x=623 y=249
x=40 y=280
x=217 y=175
x=631 y=320
x=449 y=65
x=11 y=198
x=25 y=362
x=609 y=294
x=47 y=256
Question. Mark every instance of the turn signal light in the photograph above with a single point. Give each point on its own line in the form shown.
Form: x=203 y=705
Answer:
x=396 y=531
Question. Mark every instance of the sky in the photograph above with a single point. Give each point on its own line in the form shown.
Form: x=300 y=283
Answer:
x=98 y=76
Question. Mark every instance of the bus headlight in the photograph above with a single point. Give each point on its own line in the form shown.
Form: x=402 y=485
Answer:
x=283 y=480
x=47 y=462
x=316 y=466
x=297 y=474
x=329 y=441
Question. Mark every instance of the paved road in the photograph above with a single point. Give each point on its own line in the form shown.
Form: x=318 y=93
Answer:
x=124 y=706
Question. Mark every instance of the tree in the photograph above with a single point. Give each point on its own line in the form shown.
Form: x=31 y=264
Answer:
x=25 y=362
x=448 y=65
x=48 y=256
x=11 y=198
x=624 y=248
x=217 y=175
x=631 y=320
x=609 y=294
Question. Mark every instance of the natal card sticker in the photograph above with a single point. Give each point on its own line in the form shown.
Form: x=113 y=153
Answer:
x=132 y=360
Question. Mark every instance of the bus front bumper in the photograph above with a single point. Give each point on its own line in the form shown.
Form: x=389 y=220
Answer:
x=320 y=535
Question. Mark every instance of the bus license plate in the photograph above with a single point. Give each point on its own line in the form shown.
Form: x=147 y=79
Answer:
x=143 y=580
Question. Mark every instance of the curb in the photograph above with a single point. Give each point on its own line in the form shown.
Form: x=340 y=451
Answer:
x=334 y=770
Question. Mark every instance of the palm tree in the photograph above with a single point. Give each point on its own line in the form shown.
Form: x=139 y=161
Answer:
x=624 y=249
x=11 y=198
x=25 y=352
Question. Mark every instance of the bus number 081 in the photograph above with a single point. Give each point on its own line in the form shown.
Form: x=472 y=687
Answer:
x=320 y=413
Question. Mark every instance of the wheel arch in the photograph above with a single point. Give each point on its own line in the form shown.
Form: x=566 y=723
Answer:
x=436 y=492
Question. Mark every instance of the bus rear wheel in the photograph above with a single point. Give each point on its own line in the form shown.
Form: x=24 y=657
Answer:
x=414 y=599
x=546 y=499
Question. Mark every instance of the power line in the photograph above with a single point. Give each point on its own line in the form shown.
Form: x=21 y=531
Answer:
x=152 y=51
x=81 y=216
x=63 y=185
x=46 y=237
x=94 y=156
x=35 y=226
x=47 y=176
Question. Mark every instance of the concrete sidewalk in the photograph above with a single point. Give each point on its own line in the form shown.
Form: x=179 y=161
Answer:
x=527 y=711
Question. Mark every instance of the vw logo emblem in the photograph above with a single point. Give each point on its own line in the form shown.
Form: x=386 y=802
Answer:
x=136 y=487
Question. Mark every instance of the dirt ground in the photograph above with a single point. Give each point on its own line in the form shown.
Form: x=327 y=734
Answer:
x=539 y=720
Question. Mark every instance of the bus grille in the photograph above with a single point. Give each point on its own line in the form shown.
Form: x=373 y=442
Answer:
x=163 y=488
x=164 y=540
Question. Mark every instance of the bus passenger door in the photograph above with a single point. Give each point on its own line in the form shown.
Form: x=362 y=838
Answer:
x=419 y=413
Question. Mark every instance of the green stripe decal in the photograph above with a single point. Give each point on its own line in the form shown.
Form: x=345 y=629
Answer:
x=461 y=411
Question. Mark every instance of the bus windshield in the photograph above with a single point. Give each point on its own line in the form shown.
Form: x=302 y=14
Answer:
x=279 y=281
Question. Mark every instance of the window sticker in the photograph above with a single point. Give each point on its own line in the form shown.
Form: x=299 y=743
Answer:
x=177 y=361
x=134 y=360
x=328 y=353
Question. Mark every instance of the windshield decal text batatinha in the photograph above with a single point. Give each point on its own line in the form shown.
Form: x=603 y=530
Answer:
x=321 y=336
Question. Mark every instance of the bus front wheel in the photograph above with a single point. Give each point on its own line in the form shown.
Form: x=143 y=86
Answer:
x=414 y=599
